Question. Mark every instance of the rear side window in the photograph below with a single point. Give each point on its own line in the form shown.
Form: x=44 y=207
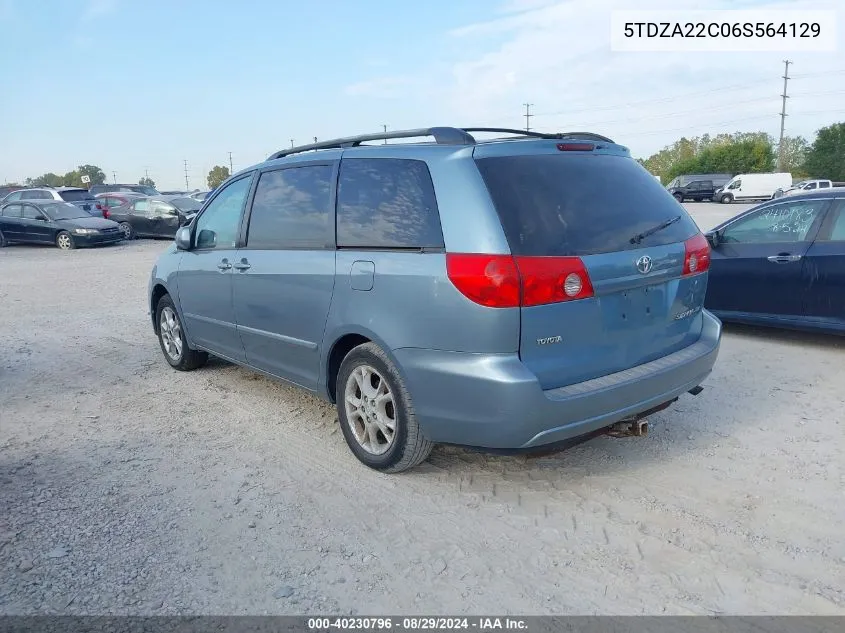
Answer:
x=386 y=203
x=292 y=209
x=12 y=211
x=36 y=194
x=75 y=195
x=563 y=204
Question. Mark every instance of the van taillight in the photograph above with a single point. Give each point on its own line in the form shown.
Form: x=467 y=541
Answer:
x=697 y=257
x=503 y=281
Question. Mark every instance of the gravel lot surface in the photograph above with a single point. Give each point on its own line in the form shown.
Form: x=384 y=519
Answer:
x=130 y=488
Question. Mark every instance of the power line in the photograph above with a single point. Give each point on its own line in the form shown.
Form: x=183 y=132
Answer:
x=528 y=116
x=783 y=113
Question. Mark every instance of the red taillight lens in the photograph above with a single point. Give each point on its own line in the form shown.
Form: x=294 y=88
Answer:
x=106 y=214
x=490 y=280
x=553 y=279
x=697 y=258
x=501 y=281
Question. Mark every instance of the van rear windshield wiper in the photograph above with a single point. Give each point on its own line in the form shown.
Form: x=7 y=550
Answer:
x=639 y=237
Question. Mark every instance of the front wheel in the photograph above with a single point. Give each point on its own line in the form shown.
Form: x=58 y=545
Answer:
x=64 y=241
x=171 y=337
x=726 y=199
x=126 y=228
x=376 y=413
x=679 y=197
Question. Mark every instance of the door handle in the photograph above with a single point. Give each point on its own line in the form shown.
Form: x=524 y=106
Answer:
x=224 y=265
x=243 y=265
x=783 y=259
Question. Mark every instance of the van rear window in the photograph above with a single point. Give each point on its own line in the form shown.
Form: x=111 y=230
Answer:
x=567 y=204
x=75 y=195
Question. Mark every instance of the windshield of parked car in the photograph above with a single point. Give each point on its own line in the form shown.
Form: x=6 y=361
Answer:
x=186 y=205
x=75 y=195
x=63 y=211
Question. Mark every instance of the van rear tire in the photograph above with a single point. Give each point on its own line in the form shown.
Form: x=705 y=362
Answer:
x=371 y=397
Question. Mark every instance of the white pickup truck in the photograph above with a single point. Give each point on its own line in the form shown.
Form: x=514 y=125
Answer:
x=803 y=186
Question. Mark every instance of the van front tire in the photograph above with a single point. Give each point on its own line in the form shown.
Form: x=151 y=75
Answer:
x=726 y=199
x=376 y=413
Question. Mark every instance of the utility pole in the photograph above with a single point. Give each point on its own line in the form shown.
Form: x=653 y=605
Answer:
x=291 y=142
x=786 y=63
x=385 y=132
x=231 y=168
x=528 y=116
x=315 y=139
x=187 y=186
x=114 y=177
x=147 y=173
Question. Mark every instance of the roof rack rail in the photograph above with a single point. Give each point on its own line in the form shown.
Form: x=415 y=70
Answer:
x=551 y=136
x=442 y=136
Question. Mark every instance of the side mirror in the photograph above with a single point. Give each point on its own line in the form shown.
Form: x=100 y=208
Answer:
x=183 y=239
x=713 y=237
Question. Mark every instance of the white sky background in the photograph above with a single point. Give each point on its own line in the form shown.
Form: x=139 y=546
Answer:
x=556 y=55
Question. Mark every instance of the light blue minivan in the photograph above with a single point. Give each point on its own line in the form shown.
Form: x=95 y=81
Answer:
x=505 y=294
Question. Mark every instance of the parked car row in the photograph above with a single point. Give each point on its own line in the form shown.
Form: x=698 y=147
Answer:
x=32 y=217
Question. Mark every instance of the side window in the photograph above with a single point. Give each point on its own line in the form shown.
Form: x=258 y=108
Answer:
x=113 y=202
x=387 y=203
x=824 y=185
x=292 y=209
x=36 y=194
x=217 y=227
x=736 y=184
x=14 y=196
x=160 y=209
x=811 y=186
x=786 y=222
x=12 y=211
x=31 y=213
x=837 y=232
x=140 y=207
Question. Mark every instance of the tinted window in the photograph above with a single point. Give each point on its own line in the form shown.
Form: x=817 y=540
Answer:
x=12 y=211
x=387 y=203
x=837 y=233
x=566 y=204
x=824 y=185
x=31 y=213
x=37 y=194
x=75 y=195
x=292 y=208
x=785 y=222
x=218 y=226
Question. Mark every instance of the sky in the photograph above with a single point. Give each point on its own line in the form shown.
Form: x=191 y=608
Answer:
x=141 y=87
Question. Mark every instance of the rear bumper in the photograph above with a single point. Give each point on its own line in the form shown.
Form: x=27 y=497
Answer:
x=494 y=401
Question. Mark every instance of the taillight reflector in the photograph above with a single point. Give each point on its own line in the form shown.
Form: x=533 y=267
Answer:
x=576 y=147
x=502 y=281
x=553 y=279
x=697 y=256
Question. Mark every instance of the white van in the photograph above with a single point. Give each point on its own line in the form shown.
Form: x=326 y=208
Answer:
x=753 y=187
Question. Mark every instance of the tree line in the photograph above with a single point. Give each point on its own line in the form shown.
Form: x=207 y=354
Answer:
x=753 y=152
x=97 y=176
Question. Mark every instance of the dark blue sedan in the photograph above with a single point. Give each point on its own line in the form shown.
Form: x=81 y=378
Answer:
x=782 y=263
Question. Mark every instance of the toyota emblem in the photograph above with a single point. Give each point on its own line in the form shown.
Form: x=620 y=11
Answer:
x=644 y=264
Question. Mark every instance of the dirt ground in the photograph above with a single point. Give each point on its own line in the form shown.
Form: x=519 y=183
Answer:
x=126 y=487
